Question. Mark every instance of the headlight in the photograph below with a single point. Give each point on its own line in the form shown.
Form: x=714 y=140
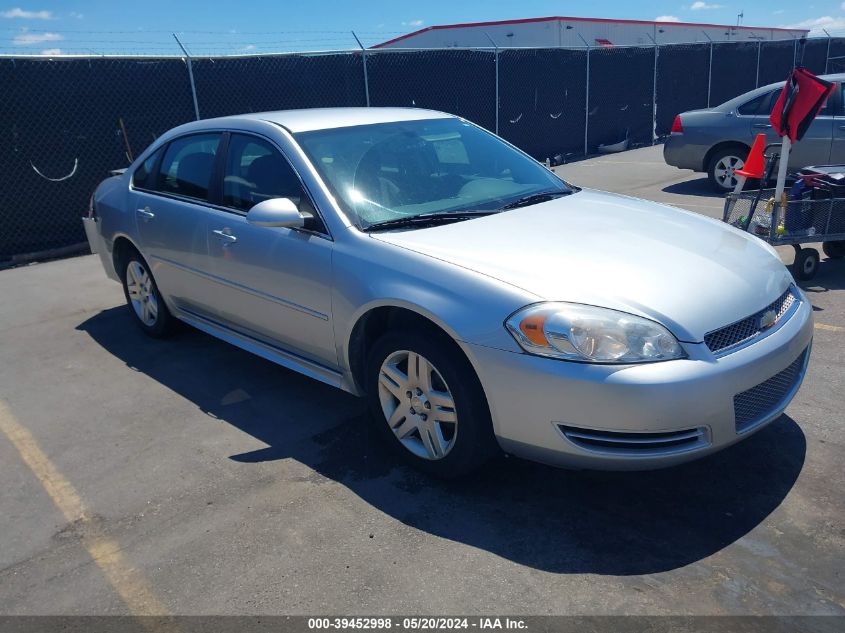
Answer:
x=571 y=331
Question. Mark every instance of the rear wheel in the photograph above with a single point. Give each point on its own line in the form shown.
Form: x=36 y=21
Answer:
x=723 y=165
x=834 y=250
x=143 y=297
x=427 y=403
x=806 y=263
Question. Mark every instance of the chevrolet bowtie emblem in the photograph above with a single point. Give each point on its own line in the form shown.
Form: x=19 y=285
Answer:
x=768 y=319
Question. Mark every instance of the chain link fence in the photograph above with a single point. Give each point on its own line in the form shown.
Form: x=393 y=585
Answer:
x=68 y=121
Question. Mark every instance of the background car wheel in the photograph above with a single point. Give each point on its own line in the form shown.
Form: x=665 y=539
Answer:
x=806 y=263
x=143 y=298
x=722 y=166
x=427 y=403
x=834 y=250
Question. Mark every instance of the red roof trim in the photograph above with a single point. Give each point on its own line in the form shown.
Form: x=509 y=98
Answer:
x=439 y=27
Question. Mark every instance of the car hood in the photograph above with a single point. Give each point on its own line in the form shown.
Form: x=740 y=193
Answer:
x=691 y=273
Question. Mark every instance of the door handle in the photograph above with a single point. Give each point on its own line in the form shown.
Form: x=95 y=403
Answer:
x=225 y=236
x=146 y=214
x=762 y=126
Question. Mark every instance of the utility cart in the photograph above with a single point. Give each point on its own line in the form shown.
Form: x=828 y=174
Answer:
x=814 y=213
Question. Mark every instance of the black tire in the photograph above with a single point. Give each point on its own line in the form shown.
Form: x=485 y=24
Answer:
x=472 y=442
x=834 y=250
x=163 y=324
x=729 y=151
x=806 y=264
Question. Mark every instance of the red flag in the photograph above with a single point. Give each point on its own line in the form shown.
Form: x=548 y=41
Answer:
x=799 y=102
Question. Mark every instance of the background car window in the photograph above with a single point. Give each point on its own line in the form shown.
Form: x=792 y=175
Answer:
x=256 y=171
x=143 y=177
x=187 y=165
x=759 y=105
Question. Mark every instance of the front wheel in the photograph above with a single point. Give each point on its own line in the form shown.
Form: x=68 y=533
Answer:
x=427 y=403
x=144 y=299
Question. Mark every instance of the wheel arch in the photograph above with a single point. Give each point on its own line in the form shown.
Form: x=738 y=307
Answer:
x=374 y=320
x=121 y=245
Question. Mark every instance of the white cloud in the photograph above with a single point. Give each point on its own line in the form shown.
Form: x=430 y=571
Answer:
x=703 y=6
x=27 y=39
x=17 y=12
x=76 y=15
x=51 y=51
x=667 y=18
x=817 y=24
x=779 y=11
x=413 y=23
x=248 y=47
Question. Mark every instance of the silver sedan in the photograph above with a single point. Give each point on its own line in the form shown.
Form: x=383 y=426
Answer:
x=478 y=302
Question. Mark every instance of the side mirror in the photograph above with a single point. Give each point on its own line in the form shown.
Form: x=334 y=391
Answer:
x=276 y=212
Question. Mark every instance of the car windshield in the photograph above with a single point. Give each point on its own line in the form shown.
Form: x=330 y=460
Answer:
x=391 y=171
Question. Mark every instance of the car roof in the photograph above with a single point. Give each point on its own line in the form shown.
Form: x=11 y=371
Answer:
x=310 y=119
x=751 y=94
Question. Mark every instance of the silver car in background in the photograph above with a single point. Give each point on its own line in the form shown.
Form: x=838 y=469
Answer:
x=476 y=300
x=717 y=140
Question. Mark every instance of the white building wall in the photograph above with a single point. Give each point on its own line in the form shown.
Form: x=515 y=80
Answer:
x=569 y=33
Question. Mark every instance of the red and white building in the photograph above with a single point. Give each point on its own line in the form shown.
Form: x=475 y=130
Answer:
x=563 y=32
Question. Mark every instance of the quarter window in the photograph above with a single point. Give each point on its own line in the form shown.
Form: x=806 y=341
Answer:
x=188 y=164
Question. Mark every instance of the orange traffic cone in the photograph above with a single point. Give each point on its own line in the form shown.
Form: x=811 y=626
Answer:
x=755 y=163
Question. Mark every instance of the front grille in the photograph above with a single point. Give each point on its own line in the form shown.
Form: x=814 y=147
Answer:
x=758 y=403
x=748 y=328
x=640 y=443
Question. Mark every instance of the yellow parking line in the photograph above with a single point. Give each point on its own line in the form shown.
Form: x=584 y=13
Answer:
x=126 y=580
x=829 y=328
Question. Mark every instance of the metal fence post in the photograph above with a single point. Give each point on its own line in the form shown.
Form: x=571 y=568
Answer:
x=366 y=78
x=757 y=76
x=586 y=98
x=709 y=68
x=827 y=55
x=654 y=92
x=496 y=53
x=190 y=77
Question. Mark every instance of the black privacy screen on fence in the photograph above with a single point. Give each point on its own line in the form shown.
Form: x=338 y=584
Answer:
x=66 y=122
x=542 y=96
x=457 y=81
x=61 y=134
x=682 y=72
x=621 y=96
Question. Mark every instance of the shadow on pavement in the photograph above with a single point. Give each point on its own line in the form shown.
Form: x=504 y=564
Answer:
x=697 y=187
x=552 y=520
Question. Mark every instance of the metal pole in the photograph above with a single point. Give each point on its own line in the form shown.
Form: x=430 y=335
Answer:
x=827 y=55
x=496 y=53
x=366 y=78
x=586 y=98
x=654 y=92
x=757 y=78
x=190 y=77
x=709 y=68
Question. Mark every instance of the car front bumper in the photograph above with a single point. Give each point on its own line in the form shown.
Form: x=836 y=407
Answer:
x=638 y=417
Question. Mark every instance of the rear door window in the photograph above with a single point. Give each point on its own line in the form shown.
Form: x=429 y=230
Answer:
x=187 y=166
x=761 y=105
x=144 y=176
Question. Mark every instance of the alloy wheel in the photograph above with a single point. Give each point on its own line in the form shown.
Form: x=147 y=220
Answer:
x=724 y=171
x=139 y=286
x=418 y=405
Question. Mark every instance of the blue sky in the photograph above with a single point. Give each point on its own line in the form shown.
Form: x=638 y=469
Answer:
x=106 y=26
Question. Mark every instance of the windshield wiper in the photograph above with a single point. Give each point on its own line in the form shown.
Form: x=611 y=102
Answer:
x=536 y=198
x=427 y=219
